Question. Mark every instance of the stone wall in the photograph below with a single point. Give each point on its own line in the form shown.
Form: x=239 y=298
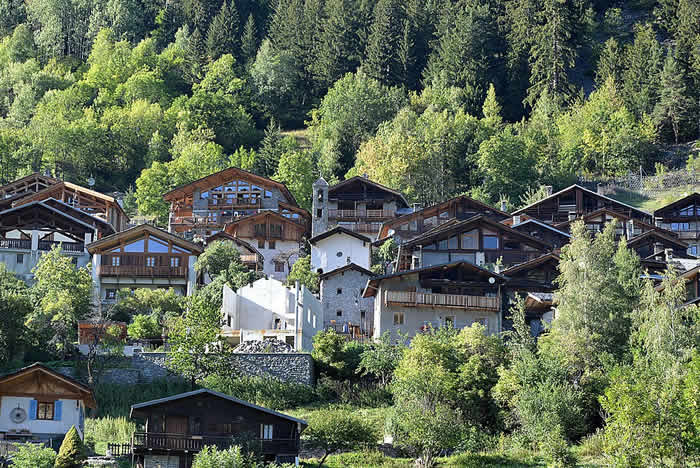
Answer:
x=145 y=368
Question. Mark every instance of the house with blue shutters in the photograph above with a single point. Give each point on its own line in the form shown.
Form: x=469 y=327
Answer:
x=39 y=404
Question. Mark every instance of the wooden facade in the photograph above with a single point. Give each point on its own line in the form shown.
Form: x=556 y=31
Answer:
x=20 y=188
x=576 y=201
x=181 y=425
x=627 y=226
x=250 y=256
x=656 y=242
x=206 y=205
x=268 y=225
x=683 y=218
x=412 y=225
x=546 y=233
x=479 y=240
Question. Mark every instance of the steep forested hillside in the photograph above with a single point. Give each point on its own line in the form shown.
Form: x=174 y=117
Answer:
x=439 y=97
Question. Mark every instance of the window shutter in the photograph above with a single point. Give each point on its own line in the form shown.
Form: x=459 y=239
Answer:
x=32 y=409
x=57 y=410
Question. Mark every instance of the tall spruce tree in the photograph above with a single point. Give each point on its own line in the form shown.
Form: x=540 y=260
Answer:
x=674 y=103
x=201 y=12
x=386 y=37
x=249 y=40
x=270 y=151
x=610 y=63
x=224 y=32
x=337 y=51
x=643 y=64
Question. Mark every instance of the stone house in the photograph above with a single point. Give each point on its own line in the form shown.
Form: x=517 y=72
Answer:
x=345 y=309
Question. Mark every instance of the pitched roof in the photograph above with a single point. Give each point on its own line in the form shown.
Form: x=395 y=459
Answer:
x=136 y=232
x=36 y=177
x=659 y=235
x=88 y=397
x=541 y=224
x=349 y=266
x=591 y=192
x=206 y=391
x=365 y=180
x=225 y=236
x=535 y=262
x=42 y=194
x=613 y=214
x=63 y=210
x=401 y=219
x=338 y=230
x=480 y=218
x=687 y=199
x=374 y=282
x=209 y=181
x=261 y=214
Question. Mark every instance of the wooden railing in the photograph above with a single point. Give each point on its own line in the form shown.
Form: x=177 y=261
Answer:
x=143 y=271
x=148 y=265
x=195 y=443
x=336 y=214
x=119 y=450
x=75 y=247
x=442 y=300
x=25 y=244
x=510 y=257
x=249 y=258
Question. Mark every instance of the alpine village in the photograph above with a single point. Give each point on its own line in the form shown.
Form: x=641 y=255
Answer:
x=349 y=233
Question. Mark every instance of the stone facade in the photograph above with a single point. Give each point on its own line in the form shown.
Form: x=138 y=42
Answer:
x=342 y=301
x=148 y=367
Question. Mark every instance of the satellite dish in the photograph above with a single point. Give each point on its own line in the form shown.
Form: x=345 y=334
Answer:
x=91 y=181
x=18 y=415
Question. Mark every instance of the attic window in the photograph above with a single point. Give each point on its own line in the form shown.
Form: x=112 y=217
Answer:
x=339 y=254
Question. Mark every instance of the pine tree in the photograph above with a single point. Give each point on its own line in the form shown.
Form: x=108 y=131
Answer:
x=643 y=64
x=270 y=151
x=201 y=12
x=198 y=50
x=168 y=21
x=72 y=453
x=337 y=51
x=610 y=63
x=674 y=102
x=386 y=34
x=249 y=40
x=491 y=108
x=223 y=35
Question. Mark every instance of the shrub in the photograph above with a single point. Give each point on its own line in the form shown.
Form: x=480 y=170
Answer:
x=363 y=394
x=33 y=456
x=336 y=430
x=100 y=431
x=233 y=457
x=267 y=392
x=116 y=399
x=335 y=356
x=72 y=453
x=144 y=327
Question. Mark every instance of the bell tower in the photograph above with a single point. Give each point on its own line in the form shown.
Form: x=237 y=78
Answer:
x=319 y=223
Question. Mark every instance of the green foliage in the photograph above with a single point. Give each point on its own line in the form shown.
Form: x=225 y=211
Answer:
x=115 y=400
x=15 y=306
x=114 y=430
x=161 y=304
x=381 y=357
x=334 y=355
x=264 y=391
x=232 y=457
x=144 y=327
x=217 y=258
x=297 y=170
x=33 y=456
x=72 y=453
x=301 y=271
x=337 y=430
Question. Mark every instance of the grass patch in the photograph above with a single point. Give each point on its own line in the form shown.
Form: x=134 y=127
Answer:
x=301 y=136
x=101 y=431
x=652 y=203
x=115 y=400
x=374 y=416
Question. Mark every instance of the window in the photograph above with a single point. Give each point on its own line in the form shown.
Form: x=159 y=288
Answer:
x=339 y=254
x=115 y=261
x=339 y=291
x=398 y=318
x=319 y=213
x=452 y=243
x=442 y=244
x=150 y=261
x=688 y=210
x=363 y=314
x=470 y=240
x=174 y=262
x=693 y=250
x=44 y=411
x=279 y=267
x=20 y=259
x=271 y=245
x=338 y=313
x=261 y=244
x=491 y=242
x=111 y=294
x=266 y=431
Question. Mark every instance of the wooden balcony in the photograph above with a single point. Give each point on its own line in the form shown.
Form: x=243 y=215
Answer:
x=144 y=265
x=458 y=301
x=74 y=247
x=23 y=244
x=510 y=257
x=360 y=214
x=195 y=443
x=249 y=258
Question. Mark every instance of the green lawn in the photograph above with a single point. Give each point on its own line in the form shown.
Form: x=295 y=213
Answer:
x=648 y=203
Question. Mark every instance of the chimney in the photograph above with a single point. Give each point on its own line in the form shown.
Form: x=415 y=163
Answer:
x=548 y=190
x=572 y=215
x=630 y=229
x=516 y=220
x=658 y=222
x=503 y=205
x=658 y=248
x=668 y=253
x=599 y=189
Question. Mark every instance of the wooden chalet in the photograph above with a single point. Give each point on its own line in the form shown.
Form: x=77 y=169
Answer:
x=479 y=240
x=692 y=285
x=542 y=231
x=206 y=205
x=683 y=218
x=250 y=256
x=20 y=188
x=39 y=404
x=455 y=294
x=267 y=225
x=412 y=225
x=627 y=226
x=536 y=275
x=577 y=201
x=143 y=257
x=360 y=205
x=658 y=242
x=178 y=427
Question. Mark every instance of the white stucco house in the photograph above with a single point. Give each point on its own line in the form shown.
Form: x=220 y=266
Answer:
x=339 y=247
x=39 y=404
x=267 y=309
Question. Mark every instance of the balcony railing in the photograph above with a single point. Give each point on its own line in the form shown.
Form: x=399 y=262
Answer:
x=510 y=258
x=24 y=244
x=144 y=265
x=368 y=214
x=75 y=247
x=249 y=258
x=143 y=271
x=459 y=301
x=195 y=443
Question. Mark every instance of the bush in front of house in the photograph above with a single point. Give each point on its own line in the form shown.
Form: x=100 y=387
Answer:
x=233 y=457
x=33 y=456
x=72 y=453
x=335 y=430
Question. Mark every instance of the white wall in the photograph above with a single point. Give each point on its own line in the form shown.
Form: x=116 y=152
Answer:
x=324 y=253
x=69 y=417
x=271 y=254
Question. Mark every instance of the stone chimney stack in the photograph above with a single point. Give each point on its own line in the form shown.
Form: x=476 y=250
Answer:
x=516 y=220
x=668 y=253
x=319 y=212
x=503 y=206
x=658 y=222
x=548 y=189
x=572 y=215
